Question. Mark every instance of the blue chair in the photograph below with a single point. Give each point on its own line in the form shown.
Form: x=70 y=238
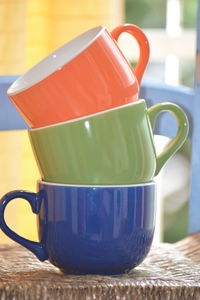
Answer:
x=171 y=271
x=10 y=119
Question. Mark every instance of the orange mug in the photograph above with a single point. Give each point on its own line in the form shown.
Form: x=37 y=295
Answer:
x=89 y=74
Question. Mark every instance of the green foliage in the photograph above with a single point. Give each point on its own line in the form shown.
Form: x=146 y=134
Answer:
x=187 y=73
x=189 y=13
x=152 y=13
x=178 y=227
x=146 y=13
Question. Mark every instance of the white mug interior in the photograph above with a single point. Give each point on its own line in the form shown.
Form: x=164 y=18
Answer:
x=55 y=60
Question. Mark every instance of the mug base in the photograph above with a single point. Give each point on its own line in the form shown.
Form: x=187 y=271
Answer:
x=97 y=272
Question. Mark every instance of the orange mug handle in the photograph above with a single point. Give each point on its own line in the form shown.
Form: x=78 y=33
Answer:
x=143 y=43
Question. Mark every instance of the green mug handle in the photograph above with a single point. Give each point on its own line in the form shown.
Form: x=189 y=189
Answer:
x=183 y=128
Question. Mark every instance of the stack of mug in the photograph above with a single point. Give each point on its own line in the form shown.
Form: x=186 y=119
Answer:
x=93 y=142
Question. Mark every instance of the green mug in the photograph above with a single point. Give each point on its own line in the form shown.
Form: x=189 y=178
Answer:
x=112 y=147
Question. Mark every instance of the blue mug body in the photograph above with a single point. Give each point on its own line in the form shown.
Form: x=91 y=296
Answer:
x=89 y=229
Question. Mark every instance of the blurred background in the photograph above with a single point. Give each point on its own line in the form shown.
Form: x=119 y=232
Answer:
x=31 y=29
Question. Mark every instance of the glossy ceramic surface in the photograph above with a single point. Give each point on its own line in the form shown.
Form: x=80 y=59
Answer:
x=90 y=230
x=112 y=147
x=85 y=76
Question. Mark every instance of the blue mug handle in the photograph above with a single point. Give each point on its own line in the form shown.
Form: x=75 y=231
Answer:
x=34 y=199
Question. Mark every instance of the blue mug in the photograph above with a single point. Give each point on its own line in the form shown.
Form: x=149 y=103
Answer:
x=89 y=229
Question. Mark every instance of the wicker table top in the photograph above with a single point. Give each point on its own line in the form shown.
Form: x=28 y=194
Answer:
x=171 y=271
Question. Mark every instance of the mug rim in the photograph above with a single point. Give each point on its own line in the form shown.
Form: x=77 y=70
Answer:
x=85 y=39
x=139 y=101
x=40 y=181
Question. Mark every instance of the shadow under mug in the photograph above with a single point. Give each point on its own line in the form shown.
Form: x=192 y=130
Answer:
x=111 y=147
x=89 y=230
x=87 y=75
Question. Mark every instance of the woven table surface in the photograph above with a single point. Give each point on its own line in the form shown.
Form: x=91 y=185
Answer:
x=170 y=271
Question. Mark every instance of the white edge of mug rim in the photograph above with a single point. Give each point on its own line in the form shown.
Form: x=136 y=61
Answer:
x=17 y=91
x=40 y=181
x=88 y=116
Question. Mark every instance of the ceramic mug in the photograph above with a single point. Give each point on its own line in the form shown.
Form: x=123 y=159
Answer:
x=111 y=147
x=89 y=230
x=87 y=75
